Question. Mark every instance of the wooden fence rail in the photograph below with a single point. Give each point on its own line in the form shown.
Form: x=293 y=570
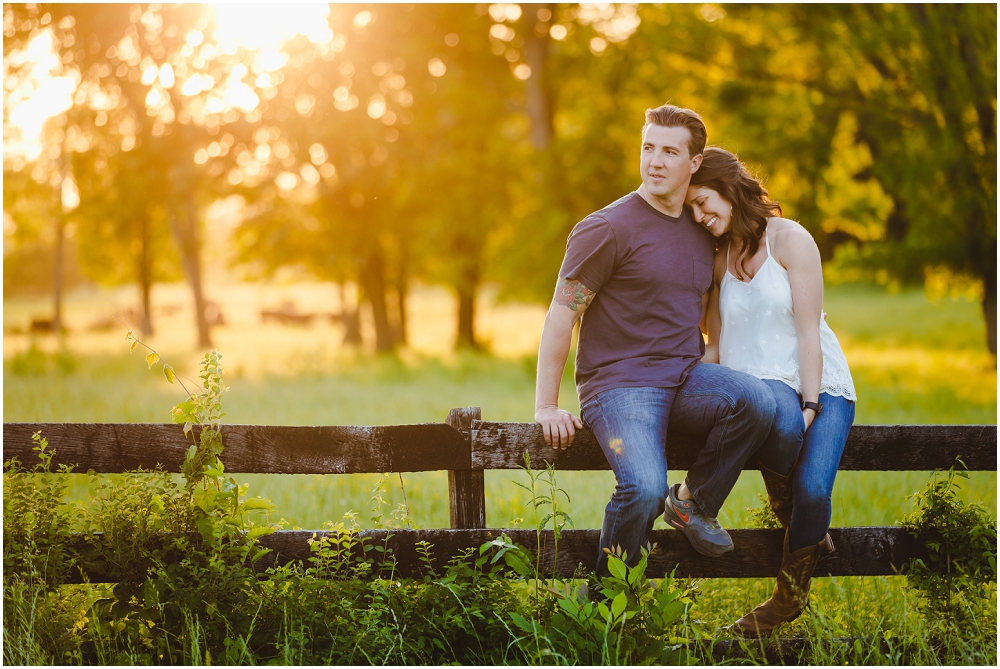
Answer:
x=466 y=446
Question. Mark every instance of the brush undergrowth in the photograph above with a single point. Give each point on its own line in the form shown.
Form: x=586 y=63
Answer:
x=181 y=552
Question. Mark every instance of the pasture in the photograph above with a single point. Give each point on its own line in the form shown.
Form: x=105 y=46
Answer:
x=913 y=360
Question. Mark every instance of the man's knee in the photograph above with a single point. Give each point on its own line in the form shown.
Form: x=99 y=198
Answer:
x=649 y=493
x=756 y=399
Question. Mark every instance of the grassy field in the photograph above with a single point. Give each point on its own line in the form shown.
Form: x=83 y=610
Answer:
x=914 y=361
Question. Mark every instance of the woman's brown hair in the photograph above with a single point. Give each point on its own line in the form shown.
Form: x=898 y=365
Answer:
x=723 y=172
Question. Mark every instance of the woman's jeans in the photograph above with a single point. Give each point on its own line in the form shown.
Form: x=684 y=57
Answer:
x=733 y=411
x=815 y=455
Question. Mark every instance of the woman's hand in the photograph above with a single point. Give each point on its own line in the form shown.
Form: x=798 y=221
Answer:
x=808 y=416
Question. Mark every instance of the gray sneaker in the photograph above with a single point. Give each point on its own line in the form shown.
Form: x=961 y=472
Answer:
x=704 y=532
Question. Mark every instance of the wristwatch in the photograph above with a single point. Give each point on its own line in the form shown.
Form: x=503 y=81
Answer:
x=815 y=406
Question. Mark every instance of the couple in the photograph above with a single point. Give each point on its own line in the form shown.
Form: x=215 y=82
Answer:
x=700 y=246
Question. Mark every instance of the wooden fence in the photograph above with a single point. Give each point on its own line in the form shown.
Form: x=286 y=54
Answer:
x=466 y=447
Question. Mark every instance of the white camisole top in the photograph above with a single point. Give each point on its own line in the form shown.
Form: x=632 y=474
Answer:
x=758 y=331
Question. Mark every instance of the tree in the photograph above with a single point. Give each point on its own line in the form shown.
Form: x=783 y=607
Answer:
x=144 y=110
x=29 y=32
x=912 y=91
x=390 y=120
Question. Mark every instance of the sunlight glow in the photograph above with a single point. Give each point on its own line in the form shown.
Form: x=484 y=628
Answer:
x=34 y=96
x=266 y=27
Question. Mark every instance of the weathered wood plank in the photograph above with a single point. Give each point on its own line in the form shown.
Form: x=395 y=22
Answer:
x=117 y=447
x=861 y=551
x=869 y=448
x=466 y=487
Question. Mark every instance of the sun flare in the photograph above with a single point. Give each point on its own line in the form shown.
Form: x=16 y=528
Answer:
x=267 y=26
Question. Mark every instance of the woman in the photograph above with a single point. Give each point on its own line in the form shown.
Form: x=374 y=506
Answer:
x=765 y=317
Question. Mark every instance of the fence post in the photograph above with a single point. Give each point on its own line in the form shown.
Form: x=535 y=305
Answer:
x=466 y=487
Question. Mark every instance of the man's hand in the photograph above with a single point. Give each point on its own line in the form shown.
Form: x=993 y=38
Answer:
x=558 y=426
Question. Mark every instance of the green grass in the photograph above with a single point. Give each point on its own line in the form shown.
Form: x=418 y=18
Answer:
x=913 y=360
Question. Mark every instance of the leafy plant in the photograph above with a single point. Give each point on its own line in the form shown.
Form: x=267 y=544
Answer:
x=961 y=541
x=181 y=552
x=547 y=497
x=763 y=516
x=38 y=557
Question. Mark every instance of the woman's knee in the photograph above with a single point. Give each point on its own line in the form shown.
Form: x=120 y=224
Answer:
x=812 y=497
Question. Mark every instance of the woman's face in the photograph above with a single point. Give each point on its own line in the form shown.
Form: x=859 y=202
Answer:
x=710 y=209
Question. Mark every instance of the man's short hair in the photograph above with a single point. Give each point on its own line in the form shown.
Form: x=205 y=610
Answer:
x=670 y=116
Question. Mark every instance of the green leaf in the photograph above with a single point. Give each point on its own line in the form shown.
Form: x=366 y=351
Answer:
x=259 y=531
x=617 y=567
x=522 y=623
x=619 y=603
x=258 y=504
x=152 y=359
x=517 y=563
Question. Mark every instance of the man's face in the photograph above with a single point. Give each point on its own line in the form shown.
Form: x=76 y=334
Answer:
x=666 y=165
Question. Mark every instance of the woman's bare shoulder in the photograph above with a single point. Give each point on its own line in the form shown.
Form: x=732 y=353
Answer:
x=778 y=225
x=788 y=237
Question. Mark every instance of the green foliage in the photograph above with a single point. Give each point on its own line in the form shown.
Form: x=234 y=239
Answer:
x=35 y=362
x=36 y=521
x=763 y=516
x=38 y=557
x=961 y=569
x=634 y=621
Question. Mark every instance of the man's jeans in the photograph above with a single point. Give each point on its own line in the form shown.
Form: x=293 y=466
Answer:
x=732 y=410
x=814 y=454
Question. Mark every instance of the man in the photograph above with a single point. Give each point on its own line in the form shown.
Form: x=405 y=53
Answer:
x=636 y=274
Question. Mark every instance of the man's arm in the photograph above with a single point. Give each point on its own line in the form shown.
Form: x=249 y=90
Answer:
x=570 y=301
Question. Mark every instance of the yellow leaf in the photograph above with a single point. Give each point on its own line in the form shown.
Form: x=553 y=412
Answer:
x=169 y=373
x=132 y=347
x=152 y=359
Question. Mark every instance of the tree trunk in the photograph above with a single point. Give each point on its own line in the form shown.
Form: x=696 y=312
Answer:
x=466 y=318
x=57 y=274
x=372 y=277
x=401 y=288
x=187 y=238
x=145 y=276
x=536 y=46
x=350 y=317
x=990 y=312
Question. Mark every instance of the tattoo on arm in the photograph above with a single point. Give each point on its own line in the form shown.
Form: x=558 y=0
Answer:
x=571 y=293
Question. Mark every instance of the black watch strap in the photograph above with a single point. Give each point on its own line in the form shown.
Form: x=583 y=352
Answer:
x=815 y=406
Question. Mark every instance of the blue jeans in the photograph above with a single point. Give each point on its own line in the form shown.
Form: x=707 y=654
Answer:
x=815 y=456
x=732 y=410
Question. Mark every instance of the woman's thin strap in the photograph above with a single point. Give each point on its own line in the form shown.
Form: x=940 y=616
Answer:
x=766 y=242
x=728 y=246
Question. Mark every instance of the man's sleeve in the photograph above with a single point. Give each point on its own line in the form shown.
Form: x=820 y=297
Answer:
x=590 y=253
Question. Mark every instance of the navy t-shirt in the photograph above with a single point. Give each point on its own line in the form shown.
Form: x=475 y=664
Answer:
x=649 y=271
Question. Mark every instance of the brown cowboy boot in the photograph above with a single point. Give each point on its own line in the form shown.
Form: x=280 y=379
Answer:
x=791 y=590
x=779 y=493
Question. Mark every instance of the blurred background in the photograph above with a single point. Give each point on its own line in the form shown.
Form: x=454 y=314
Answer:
x=365 y=206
